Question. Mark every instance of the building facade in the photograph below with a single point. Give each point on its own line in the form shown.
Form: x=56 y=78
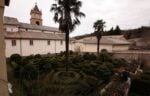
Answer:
x=110 y=43
x=34 y=38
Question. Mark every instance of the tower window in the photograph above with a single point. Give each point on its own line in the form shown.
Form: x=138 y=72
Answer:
x=31 y=42
x=37 y=23
x=48 y=42
x=13 y=42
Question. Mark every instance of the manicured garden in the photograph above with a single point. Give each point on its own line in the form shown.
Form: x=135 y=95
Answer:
x=38 y=75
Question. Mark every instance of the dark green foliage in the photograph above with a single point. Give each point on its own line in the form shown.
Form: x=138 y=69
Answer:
x=140 y=85
x=38 y=56
x=39 y=74
x=26 y=72
x=117 y=31
x=36 y=89
x=111 y=31
x=76 y=61
x=15 y=58
x=63 y=53
x=27 y=59
x=104 y=72
x=88 y=56
x=69 y=77
x=87 y=88
x=119 y=62
x=141 y=32
x=44 y=66
x=105 y=57
x=104 y=51
x=71 y=52
x=125 y=76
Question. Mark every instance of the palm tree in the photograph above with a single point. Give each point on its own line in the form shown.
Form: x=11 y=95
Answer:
x=99 y=28
x=66 y=13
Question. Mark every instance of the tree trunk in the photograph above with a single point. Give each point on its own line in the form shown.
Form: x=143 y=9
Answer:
x=98 y=46
x=67 y=50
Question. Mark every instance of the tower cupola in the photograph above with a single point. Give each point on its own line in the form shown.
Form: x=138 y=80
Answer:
x=36 y=16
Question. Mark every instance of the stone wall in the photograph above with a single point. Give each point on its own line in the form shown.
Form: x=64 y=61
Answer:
x=135 y=55
x=3 y=71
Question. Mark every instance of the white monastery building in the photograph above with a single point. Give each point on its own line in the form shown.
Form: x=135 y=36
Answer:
x=110 y=43
x=34 y=38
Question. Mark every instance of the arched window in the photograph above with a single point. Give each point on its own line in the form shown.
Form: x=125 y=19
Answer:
x=37 y=23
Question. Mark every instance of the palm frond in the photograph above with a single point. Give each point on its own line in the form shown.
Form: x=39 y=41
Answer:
x=66 y=13
x=56 y=17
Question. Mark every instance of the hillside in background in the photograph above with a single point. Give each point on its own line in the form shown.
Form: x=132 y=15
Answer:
x=89 y=35
x=142 y=32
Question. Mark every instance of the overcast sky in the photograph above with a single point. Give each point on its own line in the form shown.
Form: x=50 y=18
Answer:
x=128 y=14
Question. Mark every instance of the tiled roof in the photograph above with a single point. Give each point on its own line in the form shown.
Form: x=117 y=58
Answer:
x=38 y=27
x=34 y=35
x=11 y=21
x=14 y=21
x=105 y=40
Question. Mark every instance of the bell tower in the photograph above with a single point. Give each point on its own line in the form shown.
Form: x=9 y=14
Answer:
x=36 y=16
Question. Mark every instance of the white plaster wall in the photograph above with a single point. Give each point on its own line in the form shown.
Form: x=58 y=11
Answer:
x=60 y=47
x=30 y=30
x=22 y=29
x=38 y=47
x=120 y=47
x=59 y=33
x=12 y=49
x=11 y=28
x=71 y=46
x=79 y=47
x=48 y=32
x=107 y=47
x=91 y=47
